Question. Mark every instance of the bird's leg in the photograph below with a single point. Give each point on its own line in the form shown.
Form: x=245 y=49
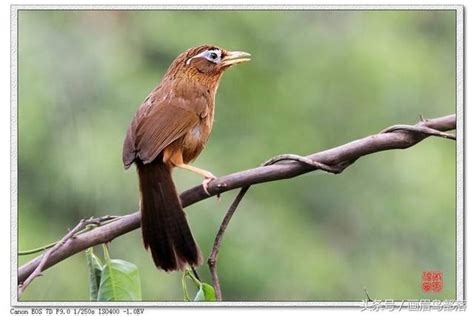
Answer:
x=208 y=176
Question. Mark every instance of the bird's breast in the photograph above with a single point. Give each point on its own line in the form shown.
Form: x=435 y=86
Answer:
x=195 y=140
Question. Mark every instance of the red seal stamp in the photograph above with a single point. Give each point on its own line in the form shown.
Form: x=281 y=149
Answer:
x=432 y=281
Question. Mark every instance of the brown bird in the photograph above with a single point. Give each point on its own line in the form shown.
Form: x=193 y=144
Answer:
x=170 y=130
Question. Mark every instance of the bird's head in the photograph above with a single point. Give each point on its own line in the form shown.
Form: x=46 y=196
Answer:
x=206 y=63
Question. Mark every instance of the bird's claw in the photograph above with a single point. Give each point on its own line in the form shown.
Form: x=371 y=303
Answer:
x=205 y=184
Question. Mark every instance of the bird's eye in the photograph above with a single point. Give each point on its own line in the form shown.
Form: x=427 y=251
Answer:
x=214 y=56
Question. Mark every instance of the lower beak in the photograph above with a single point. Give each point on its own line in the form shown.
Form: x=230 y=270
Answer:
x=233 y=58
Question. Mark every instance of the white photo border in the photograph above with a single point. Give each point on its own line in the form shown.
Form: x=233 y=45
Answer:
x=460 y=236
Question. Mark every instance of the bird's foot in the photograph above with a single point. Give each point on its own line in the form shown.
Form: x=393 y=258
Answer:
x=205 y=184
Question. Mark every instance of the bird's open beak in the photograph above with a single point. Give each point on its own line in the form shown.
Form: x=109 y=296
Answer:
x=233 y=58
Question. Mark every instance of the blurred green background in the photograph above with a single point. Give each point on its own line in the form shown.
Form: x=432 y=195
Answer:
x=317 y=79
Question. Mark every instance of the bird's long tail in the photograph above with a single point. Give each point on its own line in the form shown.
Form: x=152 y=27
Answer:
x=165 y=229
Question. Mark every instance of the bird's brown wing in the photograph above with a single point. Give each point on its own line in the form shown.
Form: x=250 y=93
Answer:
x=156 y=125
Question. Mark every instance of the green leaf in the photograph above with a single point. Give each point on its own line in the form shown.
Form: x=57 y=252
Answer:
x=206 y=293
x=95 y=270
x=119 y=281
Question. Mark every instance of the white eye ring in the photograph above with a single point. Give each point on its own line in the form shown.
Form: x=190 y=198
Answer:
x=212 y=55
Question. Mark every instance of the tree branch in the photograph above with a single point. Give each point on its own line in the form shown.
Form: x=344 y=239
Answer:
x=401 y=137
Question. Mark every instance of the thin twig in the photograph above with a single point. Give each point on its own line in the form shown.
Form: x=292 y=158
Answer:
x=367 y=294
x=315 y=165
x=212 y=261
x=35 y=250
x=418 y=129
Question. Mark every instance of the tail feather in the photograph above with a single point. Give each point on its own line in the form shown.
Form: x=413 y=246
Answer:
x=165 y=229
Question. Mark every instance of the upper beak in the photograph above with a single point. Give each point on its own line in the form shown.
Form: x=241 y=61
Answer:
x=233 y=58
